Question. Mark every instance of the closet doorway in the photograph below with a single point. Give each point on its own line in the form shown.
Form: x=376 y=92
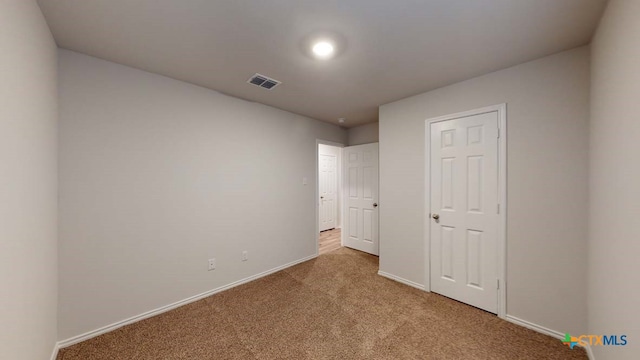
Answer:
x=329 y=196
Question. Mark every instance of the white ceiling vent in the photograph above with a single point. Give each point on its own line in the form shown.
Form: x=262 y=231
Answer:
x=264 y=82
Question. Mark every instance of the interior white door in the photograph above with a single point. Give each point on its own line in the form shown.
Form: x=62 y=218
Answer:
x=464 y=209
x=360 y=226
x=328 y=185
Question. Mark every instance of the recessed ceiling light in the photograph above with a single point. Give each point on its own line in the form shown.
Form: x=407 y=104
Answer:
x=323 y=45
x=323 y=49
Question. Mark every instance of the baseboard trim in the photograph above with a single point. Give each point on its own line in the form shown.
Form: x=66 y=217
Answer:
x=103 y=330
x=546 y=331
x=589 y=352
x=534 y=327
x=54 y=354
x=401 y=280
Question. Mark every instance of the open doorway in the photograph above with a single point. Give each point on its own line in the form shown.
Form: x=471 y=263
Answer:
x=329 y=196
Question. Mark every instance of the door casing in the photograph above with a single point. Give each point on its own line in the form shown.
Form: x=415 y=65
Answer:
x=501 y=109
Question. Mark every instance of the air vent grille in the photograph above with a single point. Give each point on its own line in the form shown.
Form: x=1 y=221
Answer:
x=264 y=82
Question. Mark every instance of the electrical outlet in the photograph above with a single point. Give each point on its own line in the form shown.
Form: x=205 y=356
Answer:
x=212 y=264
x=245 y=255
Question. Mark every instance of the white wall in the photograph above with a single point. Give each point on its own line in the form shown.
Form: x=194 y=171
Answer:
x=157 y=176
x=547 y=115
x=363 y=134
x=614 y=244
x=28 y=183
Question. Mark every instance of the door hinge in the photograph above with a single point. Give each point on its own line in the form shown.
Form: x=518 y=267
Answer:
x=498 y=284
x=498 y=208
x=498 y=133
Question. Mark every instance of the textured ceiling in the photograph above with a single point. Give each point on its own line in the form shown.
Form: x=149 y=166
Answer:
x=390 y=49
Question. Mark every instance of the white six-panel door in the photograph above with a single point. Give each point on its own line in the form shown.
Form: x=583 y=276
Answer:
x=360 y=228
x=328 y=186
x=464 y=209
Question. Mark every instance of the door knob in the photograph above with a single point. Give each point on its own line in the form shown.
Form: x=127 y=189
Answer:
x=435 y=216
x=375 y=205
x=321 y=197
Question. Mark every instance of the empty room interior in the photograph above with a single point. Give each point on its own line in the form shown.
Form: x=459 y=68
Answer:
x=357 y=179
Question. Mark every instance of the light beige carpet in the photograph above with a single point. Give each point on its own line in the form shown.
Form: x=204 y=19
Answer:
x=333 y=307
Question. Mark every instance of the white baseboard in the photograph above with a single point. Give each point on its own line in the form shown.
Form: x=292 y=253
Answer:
x=54 y=354
x=589 y=352
x=543 y=330
x=160 y=310
x=401 y=280
x=534 y=327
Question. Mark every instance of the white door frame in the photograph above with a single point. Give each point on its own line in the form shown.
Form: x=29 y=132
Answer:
x=501 y=109
x=339 y=190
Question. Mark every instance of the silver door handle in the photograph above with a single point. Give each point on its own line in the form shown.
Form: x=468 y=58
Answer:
x=375 y=205
x=435 y=216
